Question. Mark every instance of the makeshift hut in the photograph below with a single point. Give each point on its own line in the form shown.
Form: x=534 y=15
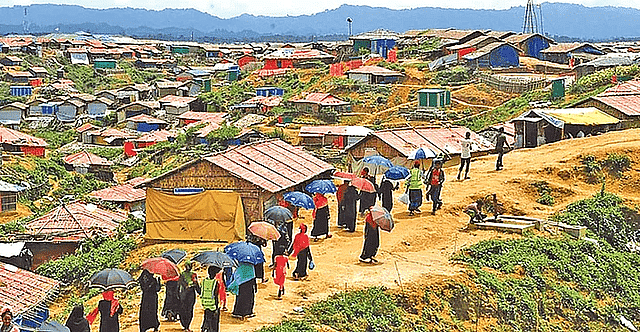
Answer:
x=242 y=181
x=18 y=142
x=145 y=123
x=84 y=162
x=124 y=195
x=333 y=136
x=9 y=196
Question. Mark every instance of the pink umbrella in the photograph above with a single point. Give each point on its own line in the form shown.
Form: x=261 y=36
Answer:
x=364 y=185
x=343 y=175
x=167 y=269
x=382 y=217
x=264 y=230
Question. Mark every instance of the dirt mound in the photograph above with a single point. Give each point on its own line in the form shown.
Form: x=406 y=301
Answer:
x=481 y=94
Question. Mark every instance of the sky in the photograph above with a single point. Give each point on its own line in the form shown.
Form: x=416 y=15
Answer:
x=232 y=8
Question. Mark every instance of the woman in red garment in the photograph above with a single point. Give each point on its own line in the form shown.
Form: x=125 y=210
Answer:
x=280 y=272
x=320 y=217
x=300 y=249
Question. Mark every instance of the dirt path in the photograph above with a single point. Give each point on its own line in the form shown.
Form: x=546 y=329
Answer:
x=420 y=246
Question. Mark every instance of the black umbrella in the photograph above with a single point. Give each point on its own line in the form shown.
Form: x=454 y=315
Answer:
x=110 y=279
x=174 y=255
x=52 y=326
x=215 y=258
x=278 y=214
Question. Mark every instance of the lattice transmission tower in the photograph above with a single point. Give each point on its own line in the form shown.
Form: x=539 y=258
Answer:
x=532 y=20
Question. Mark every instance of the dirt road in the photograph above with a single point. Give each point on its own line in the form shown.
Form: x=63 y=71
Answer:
x=420 y=247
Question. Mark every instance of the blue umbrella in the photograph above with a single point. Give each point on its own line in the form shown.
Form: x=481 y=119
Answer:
x=377 y=160
x=174 y=255
x=245 y=252
x=299 y=199
x=421 y=153
x=396 y=173
x=52 y=326
x=278 y=214
x=110 y=279
x=215 y=258
x=321 y=186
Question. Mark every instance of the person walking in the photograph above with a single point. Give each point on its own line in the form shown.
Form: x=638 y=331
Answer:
x=371 y=240
x=109 y=309
x=435 y=178
x=259 y=242
x=187 y=288
x=148 y=316
x=280 y=272
x=465 y=155
x=243 y=284
x=222 y=289
x=280 y=245
x=367 y=199
x=171 y=301
x=349 y=213
x=320 y=217
x=210 y=299
x=76 y=321
x=339 y=198
x=501 y=145
x=385 y=191
x=414 y=188
x=300 y=249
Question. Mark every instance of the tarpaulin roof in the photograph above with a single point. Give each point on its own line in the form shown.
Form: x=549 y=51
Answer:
x=22 y=290
x=10 y=187
x=567 y=47
x=86 y=158
x=76 y=221
x=124 y=192
x=11 y=249
x=323 y=99
x=14 y=137
x=538 y=115
x=589 y=116
x=375 y=70
x=406 y=140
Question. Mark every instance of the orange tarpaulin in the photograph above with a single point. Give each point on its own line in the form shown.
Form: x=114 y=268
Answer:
x=211 y=215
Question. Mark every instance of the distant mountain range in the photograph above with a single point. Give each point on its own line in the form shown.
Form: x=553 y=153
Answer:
x=560 y=19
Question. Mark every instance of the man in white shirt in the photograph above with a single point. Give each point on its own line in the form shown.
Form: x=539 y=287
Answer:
x=465 y=155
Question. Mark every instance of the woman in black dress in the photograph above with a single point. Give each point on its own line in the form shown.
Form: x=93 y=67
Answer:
x=171 y=301
x=76 y=321
x=300 y=249
x=109 y=309
x=349 y=214
x=371 y=240
x=385 y=192
x=187 y=287
x=320 y=217
x=149 y=306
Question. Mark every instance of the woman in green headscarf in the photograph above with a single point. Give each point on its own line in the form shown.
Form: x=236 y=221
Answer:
x=187 y=288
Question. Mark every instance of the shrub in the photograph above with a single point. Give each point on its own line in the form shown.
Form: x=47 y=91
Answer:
x=617 y=163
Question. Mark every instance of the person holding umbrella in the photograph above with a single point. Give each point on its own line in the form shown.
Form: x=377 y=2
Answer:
x=109 y=308
x=76 y=321
x=259 y=242
x=385 y=191
x=300 y=249
x=148 y=316
x=371 y=239
x=187 y=288
x=349 y=213
x=280 y=245
x=243 y=284
x=367 y=199
x=339 y=197
x=210 y=298
x=320 y=217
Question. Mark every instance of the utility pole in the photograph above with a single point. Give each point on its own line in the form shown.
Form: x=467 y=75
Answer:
x=349 y=23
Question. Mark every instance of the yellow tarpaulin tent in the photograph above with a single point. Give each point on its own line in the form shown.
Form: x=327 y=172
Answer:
x=207 y=216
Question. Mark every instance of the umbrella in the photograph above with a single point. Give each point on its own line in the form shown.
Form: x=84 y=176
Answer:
x=396 y=173
x=52 y=326
x=364 y=185
x=162 y=266
x=343 y=175
x=174 y=255
x=382 y=217
x=300 y=199
x=264 y=230
x=377 y=160
x=321 y=186
x=110 y=279
x=278 y=214
x=245 y=252
x=215 y=258
x=421 y=153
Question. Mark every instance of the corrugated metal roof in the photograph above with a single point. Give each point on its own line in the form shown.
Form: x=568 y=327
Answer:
x=155 y=136
x=323 y=99
x=176 y=99
x=589 y=116
x=143 y=118
x=406 y=140
x=217 y=117
x=23 y=290
x=629 y=88
x=335 y=130
x=14 y=137
x=297 y=54
x=123 y=192
x=272 y=165
x=566 y=47
x=75 y=221
x=626 y=104
x=375 y=70
x=86 y=158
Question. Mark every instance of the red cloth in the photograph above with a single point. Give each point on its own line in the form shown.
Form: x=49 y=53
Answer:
x=435 y=176
x=222 y=290
x=108 y=295
x=319 y=201
x=301 y=241
x=290 y=207
x=281 y=269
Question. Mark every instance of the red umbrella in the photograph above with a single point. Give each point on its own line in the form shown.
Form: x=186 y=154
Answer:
x=167 y=269
x=264 y=230
x=363 y=184
x=343 y=175
x=382 y=217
